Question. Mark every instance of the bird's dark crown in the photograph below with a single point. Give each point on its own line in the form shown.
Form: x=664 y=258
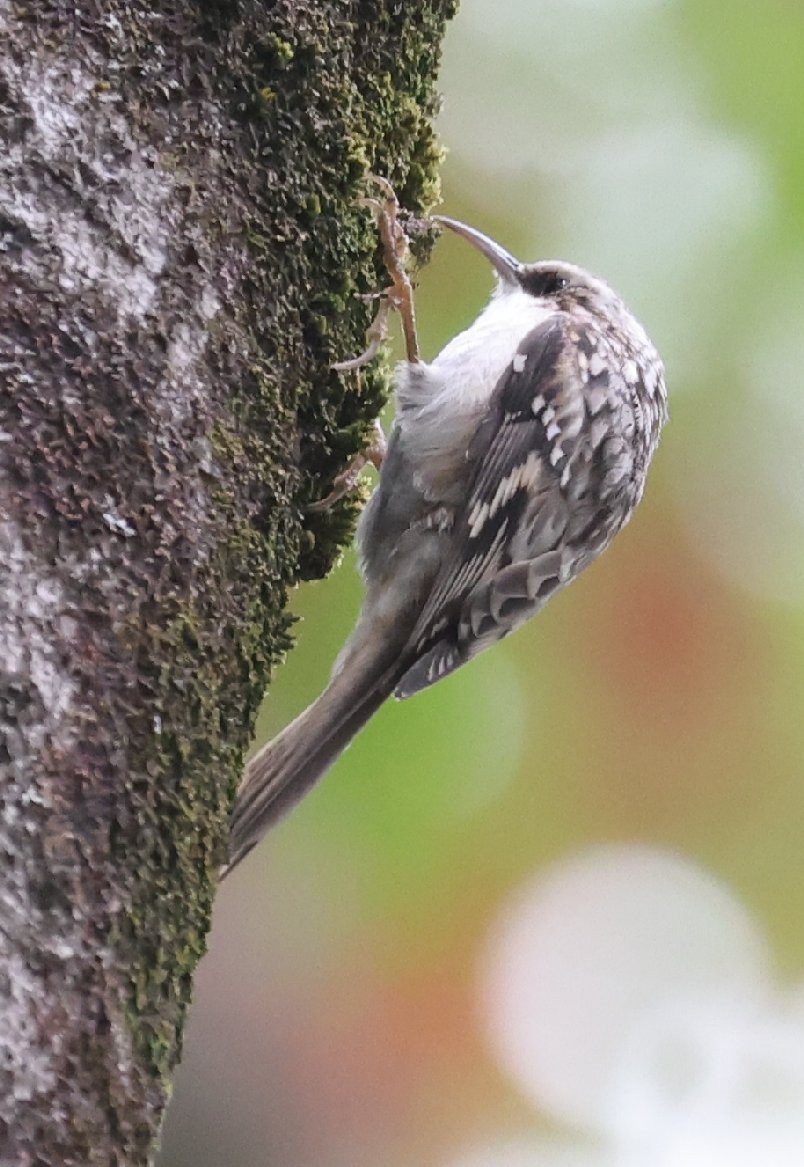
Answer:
x=545 y=279
x=569 y=286
x=552 y=277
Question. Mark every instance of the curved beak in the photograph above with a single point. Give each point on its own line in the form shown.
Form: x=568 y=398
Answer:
x=506 y=267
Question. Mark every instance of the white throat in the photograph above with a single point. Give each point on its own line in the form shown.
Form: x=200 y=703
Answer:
x=473 y=361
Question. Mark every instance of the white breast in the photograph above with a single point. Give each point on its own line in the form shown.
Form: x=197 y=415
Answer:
x=473 y=362
x=440 y=404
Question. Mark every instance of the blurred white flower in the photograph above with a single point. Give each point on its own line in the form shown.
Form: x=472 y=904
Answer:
x=630 y=996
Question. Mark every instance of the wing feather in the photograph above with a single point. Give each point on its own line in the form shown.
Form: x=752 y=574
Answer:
x=515 y=487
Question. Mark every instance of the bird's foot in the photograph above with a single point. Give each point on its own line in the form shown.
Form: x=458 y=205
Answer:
x=347 y=480
x=399 y=294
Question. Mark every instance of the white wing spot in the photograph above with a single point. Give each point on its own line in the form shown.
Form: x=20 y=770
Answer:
x=519 y=362
x=477 y=519
x=596 y=400
x=525 y=475
x=596 y=365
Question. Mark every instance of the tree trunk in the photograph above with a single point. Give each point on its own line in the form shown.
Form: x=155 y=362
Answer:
x=180 y=248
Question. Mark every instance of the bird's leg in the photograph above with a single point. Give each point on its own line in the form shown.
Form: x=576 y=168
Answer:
x=399 y=294
x=396 y=254
x=347 y=480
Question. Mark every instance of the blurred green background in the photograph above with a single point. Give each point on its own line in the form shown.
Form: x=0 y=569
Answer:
x=336 y=1017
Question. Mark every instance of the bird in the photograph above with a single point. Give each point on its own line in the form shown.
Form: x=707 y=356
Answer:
x=515 y=457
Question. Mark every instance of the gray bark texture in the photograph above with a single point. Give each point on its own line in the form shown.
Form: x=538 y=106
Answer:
x=180 y=252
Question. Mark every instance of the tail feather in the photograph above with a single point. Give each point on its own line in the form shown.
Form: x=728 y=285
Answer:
x=286 y=768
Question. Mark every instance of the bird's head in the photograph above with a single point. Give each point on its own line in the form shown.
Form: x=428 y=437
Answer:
x=565 y=284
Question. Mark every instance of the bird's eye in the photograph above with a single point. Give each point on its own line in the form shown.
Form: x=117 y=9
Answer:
x=545 y=283
x=555 y=284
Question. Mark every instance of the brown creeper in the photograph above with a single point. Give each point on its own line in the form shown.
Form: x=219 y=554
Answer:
x=515 y=457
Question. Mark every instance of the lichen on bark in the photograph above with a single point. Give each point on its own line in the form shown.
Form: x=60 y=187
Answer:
x=180 y=253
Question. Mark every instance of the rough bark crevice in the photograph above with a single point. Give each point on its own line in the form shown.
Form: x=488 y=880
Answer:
x=180 y=249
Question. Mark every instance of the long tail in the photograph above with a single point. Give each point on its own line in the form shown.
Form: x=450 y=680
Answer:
x=286 y=768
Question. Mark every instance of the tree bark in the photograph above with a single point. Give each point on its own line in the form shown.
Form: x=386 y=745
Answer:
x=180 y=248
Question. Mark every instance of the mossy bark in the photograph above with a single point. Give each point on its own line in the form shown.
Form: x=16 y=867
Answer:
x=180 y=248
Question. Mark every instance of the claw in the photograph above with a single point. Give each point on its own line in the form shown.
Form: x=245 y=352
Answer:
x=376 y=333
x=347 y=480
x=384 y=184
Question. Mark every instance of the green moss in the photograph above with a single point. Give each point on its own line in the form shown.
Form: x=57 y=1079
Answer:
x=312 y=205
x=282 y=50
